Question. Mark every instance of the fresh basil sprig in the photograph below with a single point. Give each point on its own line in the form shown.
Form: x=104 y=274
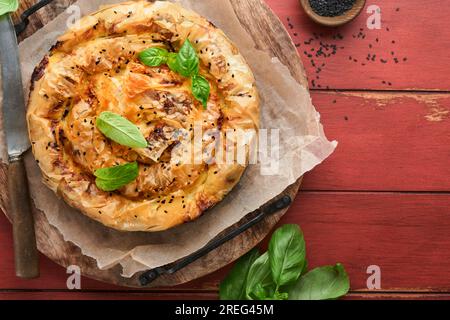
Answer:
x=234 y=287
x=281 y=274
x=113 y=178
x=329 y=282
x=120 y=130
x=185 y=63
x=259 y=281
x=7 y=6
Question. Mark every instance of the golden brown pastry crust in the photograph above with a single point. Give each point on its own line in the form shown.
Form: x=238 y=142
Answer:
x=94 y=68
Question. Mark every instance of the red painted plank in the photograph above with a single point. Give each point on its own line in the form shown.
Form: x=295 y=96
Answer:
x=78 y=295
x=407 y=235
x=419 y=33
x=397 y=296
x=387 y=141
x=45 y=295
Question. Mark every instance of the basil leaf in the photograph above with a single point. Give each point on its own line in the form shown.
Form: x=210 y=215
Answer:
x=7 y=6
x=113 y=178
x=120 y=130
x=280 y=296
x=305 y=268
x=187 y=60
x=154 y=57
x=287 y=254
x=172 y=62
x=200 y=89
x=329 y=282
x=259 y=281
x=259 y=292
x=233 y=286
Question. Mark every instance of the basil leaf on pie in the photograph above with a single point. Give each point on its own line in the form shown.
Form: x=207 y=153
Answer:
x=187 y=60
x=120 y=130
x=154 y=57
x=200 y=89
x=113 y=178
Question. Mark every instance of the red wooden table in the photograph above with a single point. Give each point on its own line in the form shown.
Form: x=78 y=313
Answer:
x=383 y=198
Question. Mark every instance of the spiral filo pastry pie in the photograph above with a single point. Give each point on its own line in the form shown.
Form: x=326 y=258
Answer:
x=94 y=67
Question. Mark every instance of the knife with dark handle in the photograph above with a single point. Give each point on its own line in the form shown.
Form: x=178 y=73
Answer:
x=14 y=125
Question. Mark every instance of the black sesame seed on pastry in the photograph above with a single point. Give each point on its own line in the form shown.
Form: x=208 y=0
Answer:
x=94 y=67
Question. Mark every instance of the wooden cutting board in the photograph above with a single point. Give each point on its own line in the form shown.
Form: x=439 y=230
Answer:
x=269 y=35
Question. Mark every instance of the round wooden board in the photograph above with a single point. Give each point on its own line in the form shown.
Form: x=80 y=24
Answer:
x=269 y=35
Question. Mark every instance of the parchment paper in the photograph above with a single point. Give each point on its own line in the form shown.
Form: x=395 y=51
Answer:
x=286 y=105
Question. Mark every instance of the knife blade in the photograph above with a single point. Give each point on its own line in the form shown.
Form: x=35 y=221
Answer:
x=14 y=120
x=15 y=128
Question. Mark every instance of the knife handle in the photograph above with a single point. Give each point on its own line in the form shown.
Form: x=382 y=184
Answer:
x=25 y=252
